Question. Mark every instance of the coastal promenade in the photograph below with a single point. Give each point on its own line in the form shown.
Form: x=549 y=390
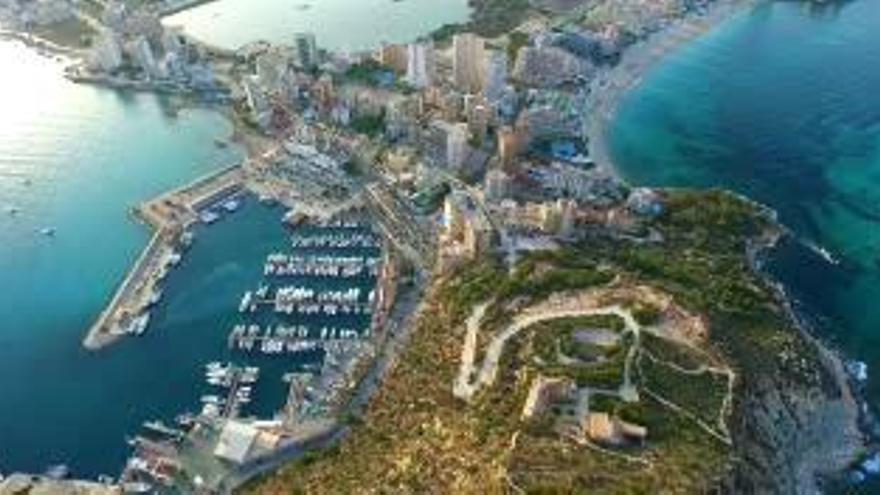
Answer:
x=75 y=74
x=168 y=215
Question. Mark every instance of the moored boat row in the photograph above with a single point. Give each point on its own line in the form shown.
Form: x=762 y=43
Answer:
x=334 y=240
x=212 y=213
x=238 y=381
x=280 y=264
x=286 y=339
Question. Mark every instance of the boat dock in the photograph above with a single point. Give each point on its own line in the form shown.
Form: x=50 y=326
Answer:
x=333 y=240
x=292 y=339
x=282 y=265
x=169 y=215
x=237 y=380
x=181 y=207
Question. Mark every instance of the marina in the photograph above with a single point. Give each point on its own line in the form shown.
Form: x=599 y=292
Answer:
x=333 y=240
x=292 y=339
x=237 y=350
x=170 y=216
x=280 y=264
x=174 y=291
x=307 y=360
x=236 y=381
x=76 y=159
x=303 y=300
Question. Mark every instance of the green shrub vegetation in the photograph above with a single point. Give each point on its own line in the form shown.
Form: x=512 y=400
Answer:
x=669 y=352
x=416 y=437
x=702 y=395
x=553 y=336
x=646 y=314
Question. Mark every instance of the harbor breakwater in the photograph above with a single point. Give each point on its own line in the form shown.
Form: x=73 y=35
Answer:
x=169 y=215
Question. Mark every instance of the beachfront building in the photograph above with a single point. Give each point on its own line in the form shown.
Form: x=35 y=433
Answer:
x=446 y=144
x=496 y=75
x=551 y=218
x=142 y=54
x=497 y=185
x=114 y=15
x=467 y=230
x=106 y=54
x=545 y=121
x=394 y=56
x=548 y=67
x=256 y=101
x=468 y=62
x=420 y=64
x=456 y=145
x=401 y=118
x=509 y=145
x=645 y=201
x=306 y=50
x=174 y=41
x=274 y=71
x=143 y=22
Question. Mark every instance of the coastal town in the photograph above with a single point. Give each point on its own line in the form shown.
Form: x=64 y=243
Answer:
x=461 y=178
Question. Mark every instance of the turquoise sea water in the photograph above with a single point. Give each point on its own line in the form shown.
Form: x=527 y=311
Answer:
x=337 y=24
x=781 y=104
x=76 y=158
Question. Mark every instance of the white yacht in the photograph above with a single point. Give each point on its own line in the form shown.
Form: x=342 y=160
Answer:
x=262 y=291
x=245 y=302
x=231 y=205
x=140 y=324
x=174 y=259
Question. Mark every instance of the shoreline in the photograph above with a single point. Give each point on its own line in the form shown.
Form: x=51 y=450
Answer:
x=181 y=6
x=607 y=91
x=40 y=45
x=856 y=435
x=168 y=216
x=610 y=86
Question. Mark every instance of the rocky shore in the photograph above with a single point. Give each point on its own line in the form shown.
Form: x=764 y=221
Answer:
x=795 y=437
x=788 y=437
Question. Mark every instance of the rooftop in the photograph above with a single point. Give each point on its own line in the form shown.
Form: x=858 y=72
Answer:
x=236 y=441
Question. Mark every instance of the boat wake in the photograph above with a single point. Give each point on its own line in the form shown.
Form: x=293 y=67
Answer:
x=822 y=252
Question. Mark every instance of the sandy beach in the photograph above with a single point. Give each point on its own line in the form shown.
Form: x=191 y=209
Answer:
x=609 y=86
x=840 y=426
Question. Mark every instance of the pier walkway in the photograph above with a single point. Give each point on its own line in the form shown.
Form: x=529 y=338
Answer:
x=169 y=215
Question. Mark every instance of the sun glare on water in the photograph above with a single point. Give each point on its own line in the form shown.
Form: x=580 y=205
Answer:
x=29 y=87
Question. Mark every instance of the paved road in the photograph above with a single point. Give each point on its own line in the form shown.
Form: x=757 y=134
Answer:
x=488 y=371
